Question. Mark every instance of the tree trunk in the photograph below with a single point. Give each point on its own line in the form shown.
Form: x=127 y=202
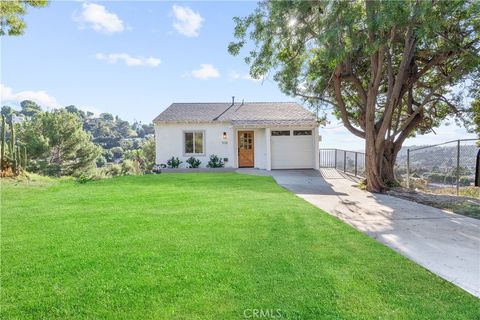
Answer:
x=380 y=166
x=388 y=171
x=388 y=163
x=373 y=167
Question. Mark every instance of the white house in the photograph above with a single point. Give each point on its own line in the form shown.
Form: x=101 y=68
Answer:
x=263 y=135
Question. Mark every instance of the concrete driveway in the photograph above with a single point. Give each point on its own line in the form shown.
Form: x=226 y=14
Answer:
x=447 y=244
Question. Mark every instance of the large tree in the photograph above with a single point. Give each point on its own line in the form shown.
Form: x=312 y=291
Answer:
x=57 y=141
x=390 y=69
x=12 y=12
x=29 y=108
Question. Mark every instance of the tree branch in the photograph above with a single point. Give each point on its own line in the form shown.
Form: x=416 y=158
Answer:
x=341 y=105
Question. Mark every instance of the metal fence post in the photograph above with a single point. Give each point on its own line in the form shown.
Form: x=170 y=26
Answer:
x=344 y=161
x=458 y=167
x=408 y=168
x=356 y=155
x=335 y=158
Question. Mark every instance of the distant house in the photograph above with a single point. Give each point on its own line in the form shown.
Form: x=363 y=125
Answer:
x=264 y=135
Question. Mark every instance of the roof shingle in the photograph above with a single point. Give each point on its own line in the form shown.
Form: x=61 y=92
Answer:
x=252 y=113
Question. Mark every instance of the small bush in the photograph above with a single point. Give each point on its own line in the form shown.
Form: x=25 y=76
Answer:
x=101 y=161
x=113 y=170
x=83 y=178
x=128 y=168
x=193 y=162
x=215 y=162
x=173 y=162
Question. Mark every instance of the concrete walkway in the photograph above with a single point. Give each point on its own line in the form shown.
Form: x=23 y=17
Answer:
x=447 y=244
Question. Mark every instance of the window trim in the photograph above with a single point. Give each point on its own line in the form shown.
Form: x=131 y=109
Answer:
x=303 y=130
x=280 y=135
x=184 y=147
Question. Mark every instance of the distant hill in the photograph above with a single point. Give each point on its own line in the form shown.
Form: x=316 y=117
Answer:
x=441 y=157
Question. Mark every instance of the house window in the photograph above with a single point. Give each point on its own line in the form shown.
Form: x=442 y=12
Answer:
x=281 y=133
x=194 y=141
x=302 y=132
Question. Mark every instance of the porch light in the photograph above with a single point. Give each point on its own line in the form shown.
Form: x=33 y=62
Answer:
x=224 y=136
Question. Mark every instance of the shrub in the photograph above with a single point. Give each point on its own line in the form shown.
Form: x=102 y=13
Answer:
x=193 y=162
x=83 y=178
x=113 y=170
x=215 y=162
x=173 y=162
x=101 y=161
x=128 y=168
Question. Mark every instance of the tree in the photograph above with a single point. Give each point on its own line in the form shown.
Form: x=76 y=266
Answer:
x=8 y=112
x=11 y=12
x=388 y=68
x=475 y=117
x=29 y=108
x=149 y=153
x=58 y=140
x=3 y=139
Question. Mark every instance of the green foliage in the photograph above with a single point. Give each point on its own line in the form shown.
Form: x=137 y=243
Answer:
x=30 y=108
x=215 y=162
x=25 y=159
x=475 y=115
x=7 y=112
x=59 y=144
x=138 y=160
x=116 y=137
x=390 y=69
x=193 y=162
x=148 y=149
x=101 y=161
x=174 y=162
x=83 y=178
x=11 y=12
x=113 y=170
x=3 y=145
x=128 y=167
x=13 y=150
x=449 y=178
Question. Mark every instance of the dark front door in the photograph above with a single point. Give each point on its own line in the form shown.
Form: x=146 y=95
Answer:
x=245 y=149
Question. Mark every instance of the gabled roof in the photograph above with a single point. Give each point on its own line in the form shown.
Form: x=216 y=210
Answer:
x=251 y=113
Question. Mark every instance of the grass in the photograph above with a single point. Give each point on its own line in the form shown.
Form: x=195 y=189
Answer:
x=471 y=192
x=200 y=246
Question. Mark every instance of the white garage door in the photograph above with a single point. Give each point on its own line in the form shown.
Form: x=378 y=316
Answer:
x=292 y=149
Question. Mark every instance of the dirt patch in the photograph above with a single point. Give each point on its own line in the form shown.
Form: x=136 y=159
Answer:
x=462 y=205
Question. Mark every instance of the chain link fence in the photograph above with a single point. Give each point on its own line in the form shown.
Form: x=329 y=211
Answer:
x=445 y=168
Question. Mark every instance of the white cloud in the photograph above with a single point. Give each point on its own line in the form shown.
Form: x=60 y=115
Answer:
x=41 y=97
x=130 y=61
x=234 y=75
x=99 y=19
x=206 y=71
x=96 y=112
x=187 y=21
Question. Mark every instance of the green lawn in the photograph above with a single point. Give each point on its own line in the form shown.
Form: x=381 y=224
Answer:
x=200 y=246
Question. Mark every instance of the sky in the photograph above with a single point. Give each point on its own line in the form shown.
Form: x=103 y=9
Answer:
x=134 y=58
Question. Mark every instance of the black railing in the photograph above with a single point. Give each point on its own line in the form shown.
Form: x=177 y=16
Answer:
x=352 y=162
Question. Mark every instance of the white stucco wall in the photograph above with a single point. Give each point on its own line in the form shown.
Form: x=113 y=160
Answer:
x=169 y=142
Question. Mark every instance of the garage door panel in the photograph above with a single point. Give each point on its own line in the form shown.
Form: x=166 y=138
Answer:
x=292 y=152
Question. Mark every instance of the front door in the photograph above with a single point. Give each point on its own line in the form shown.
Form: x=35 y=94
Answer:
x=245 y=149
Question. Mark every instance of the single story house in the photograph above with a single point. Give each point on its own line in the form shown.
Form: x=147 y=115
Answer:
x=263 y=135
